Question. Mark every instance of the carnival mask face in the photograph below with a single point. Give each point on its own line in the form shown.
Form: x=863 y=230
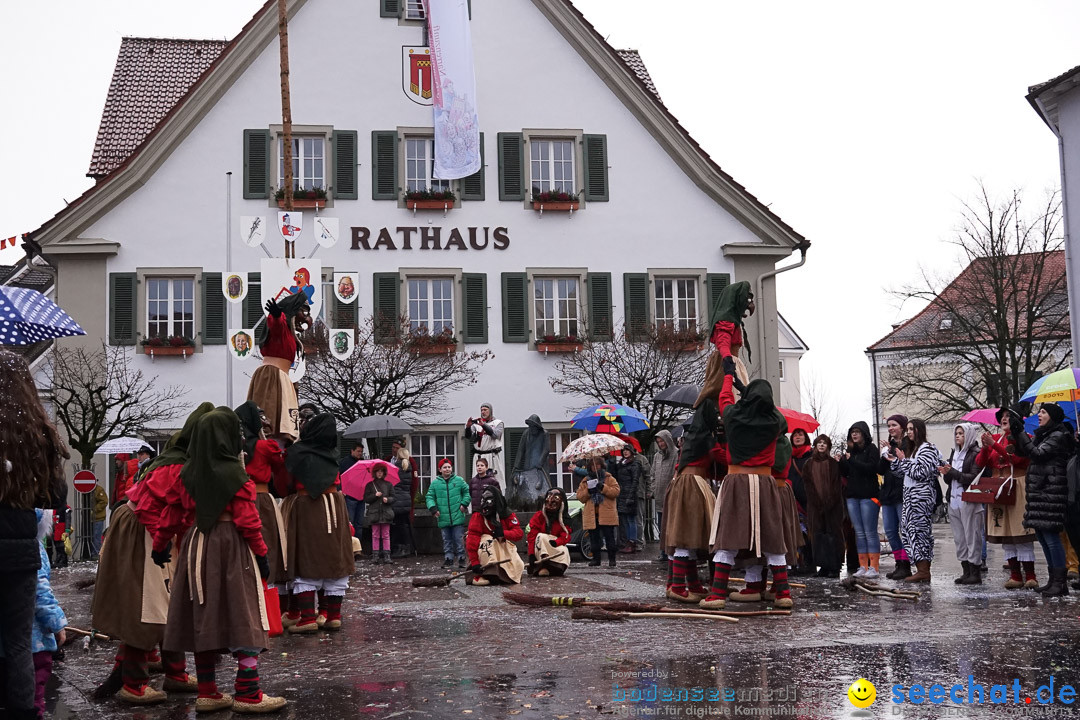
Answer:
x=305 y=415
x=487 y=503
x=303 y=319
x=265 y=421
x=553 y=502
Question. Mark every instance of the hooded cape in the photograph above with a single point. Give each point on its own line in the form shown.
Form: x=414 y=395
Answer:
x=732 y=305
x=176 y=450
x=700 y=437
x=533 y=446
x=753 y=423
x=313 y=459
x=252 y=424
x=214 y=473
x=291 y=306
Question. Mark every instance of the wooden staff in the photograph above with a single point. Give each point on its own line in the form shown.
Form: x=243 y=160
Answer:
x=590 y=613
x=444 y=580
x=742 y=581
x=92 y=634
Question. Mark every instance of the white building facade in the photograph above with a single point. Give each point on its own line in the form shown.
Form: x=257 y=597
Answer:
x=659 y=229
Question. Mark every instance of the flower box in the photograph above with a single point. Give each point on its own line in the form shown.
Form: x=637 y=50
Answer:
x=559 y=347
x=557 y=206
x=304 y=204
x=429 y=204
x=681 y=345
x=435 y=348
x=160 y=350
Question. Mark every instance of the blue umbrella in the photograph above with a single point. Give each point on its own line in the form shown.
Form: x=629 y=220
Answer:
x=1032 y=422
x=27 y=317
x=610 y=419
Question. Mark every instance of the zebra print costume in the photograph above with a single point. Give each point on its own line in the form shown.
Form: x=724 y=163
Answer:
x=920 y=473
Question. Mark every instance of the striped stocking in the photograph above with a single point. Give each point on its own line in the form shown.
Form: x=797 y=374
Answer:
x=206 y=674
x=247 y=677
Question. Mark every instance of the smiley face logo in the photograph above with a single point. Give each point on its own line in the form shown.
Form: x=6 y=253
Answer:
x=862 y=693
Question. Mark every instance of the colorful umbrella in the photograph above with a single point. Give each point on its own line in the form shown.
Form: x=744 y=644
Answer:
x=591 y=446
x=27 y=317
x=986 y=416
x=356 y=478
x=799 y=421
x=1055 y=387
x=610 y=419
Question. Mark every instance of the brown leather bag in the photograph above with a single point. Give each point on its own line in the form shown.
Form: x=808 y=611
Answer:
x=991 y=491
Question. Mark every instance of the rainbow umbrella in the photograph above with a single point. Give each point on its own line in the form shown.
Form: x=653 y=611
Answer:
x=609 y=419
x=1055 y=387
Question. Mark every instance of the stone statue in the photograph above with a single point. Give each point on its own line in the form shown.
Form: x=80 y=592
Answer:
x=529 y=479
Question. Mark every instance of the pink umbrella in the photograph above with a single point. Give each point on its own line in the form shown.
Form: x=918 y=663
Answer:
x=356 y=478
x=983 y=415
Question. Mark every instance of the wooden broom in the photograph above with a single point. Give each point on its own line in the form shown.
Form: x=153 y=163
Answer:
x=624 y=606
x=594 y=613
x=444 y=580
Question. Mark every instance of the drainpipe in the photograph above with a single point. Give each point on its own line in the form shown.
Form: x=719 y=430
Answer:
x=802 y=248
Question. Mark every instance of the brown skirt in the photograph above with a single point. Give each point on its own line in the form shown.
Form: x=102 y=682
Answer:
x=217 y=601
x=273 y=533
x=793 y=537
x=319 y=544
x=127 y=592
x=1005 y=523
x=688 y=511
x=275 y=394
x=735 y=527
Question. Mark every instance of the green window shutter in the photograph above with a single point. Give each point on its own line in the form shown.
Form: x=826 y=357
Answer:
x=390 y=8
x=636 y=298
x=122 y=299
x=384 y=180
x=345 y=184
x=511 y=442
x=474 y=292
x=472 y=187
x=515 y=304
x=252 y=303
x=256 y=164
x=714 y=286
x=599 y=298
x=346 y=315
x=511 y=166
x=387 y=306
x=596 y=176
x=214 y=319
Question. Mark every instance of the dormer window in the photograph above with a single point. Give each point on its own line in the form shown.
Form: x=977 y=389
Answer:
x=945 y=323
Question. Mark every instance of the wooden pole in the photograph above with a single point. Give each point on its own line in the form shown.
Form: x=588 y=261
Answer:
x=286 y=115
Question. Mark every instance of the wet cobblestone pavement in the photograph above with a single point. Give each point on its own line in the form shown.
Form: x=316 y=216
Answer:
x=463 y=652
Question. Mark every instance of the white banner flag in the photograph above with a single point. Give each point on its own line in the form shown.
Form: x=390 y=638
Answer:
x=453 y=85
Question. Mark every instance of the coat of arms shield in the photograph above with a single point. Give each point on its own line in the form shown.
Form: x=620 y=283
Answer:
x=416 y=73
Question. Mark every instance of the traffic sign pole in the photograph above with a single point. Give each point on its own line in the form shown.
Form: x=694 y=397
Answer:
x=83 y=548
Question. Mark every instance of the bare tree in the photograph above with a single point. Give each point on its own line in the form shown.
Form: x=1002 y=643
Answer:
x=99 y=394
x=630 y=372
x=405 y=377
x=819 y=403
x=1002 y=323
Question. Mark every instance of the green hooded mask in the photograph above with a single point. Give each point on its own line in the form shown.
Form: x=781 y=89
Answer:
x=313 y=459
x=213 y=473
x=701 y=437
x=753 y=423
x=176 y=450
x=251 y=420
x=783 y=447
x=730 y=307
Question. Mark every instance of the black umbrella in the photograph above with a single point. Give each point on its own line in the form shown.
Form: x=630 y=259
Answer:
x=678 y=395
x=377 y=426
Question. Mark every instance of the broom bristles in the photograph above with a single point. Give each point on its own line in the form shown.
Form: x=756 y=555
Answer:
x=594 y=613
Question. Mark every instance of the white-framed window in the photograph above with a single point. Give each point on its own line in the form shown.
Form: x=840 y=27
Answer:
x=309 y=162
x=427 y=449
x=551 y=164
x=170 y=307
x=676 y=303
x=431 y=305
x=561 y=474
x=420 y=165
x=555 y=306
x=781 y=369
x=414 y=9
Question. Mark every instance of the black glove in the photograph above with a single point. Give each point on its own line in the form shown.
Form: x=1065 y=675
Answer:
x=161 y=558
x=272 y=308
x=497 y=531
x=1016 y=423
x=264 y=566
x=476 y=569
x=729 y=366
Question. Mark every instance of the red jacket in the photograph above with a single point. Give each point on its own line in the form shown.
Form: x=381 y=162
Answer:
x=159 y=505
x=280 y=341
x=479 y=526
x=998 y=456
x=538 y=524
x=727 y=337
x=268 y=462
x=245 y=516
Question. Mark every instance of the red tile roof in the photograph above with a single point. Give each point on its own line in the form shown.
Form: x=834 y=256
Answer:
x=925 y=329
x=151 y=75
x=633 y=60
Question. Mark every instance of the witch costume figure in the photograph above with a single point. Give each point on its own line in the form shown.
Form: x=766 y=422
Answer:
x=131 y=596
x=529 y=480
x=217 y=603
x=548 y=536
x=270 y=387
x=750 y=511
x=489 y=541
x=262 y=460
x=319 y=541
x=735 y=304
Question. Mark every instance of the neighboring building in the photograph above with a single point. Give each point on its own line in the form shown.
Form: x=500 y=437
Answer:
x=792 y=348
x=932 y=352
x=1058 y=103
x=660 y=229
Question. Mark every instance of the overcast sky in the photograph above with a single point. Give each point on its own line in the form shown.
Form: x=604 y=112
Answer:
x=861 y=124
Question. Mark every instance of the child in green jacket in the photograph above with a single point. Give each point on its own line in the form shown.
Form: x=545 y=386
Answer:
x=448 y=500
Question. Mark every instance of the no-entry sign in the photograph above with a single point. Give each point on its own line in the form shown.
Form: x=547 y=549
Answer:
x=85 y=481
